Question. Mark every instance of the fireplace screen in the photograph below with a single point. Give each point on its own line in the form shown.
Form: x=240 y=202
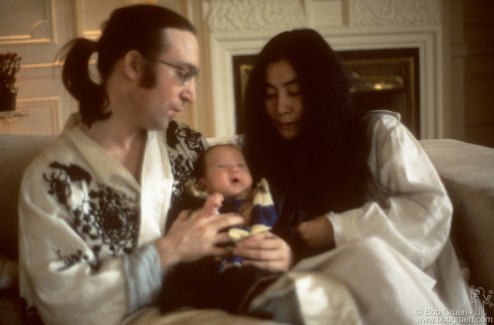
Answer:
x=380 y=79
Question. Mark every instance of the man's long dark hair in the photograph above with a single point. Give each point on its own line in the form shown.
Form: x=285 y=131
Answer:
x=137 y=27
x=323 y=169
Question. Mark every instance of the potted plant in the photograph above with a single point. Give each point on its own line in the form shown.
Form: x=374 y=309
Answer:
x=9 y=66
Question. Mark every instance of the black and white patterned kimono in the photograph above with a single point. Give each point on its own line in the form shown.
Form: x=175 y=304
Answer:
x=87 y=226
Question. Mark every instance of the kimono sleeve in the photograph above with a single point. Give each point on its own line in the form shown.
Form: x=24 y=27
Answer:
x=59 y=272
x=409 y=207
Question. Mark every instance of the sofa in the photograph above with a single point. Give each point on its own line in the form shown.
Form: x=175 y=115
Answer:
x=466 y=169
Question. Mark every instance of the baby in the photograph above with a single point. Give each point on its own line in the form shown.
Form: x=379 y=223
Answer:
x=223 y=184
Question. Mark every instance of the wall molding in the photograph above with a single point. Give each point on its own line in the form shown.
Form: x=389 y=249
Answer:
x=47 y=107
x=242 y=15
x=41 y=31
x=395 y=13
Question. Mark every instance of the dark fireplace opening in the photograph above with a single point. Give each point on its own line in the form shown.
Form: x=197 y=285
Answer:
x=380 y=79
x=386 y=79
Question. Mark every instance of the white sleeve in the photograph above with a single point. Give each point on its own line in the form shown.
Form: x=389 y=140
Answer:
x=60 y=273
x=410 y=209
x=143 y=277
x=69 y=289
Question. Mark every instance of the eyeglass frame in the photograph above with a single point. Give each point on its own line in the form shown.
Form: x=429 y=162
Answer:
x=187 y=76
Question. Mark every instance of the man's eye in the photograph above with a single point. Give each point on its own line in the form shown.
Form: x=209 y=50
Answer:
x=182 y=73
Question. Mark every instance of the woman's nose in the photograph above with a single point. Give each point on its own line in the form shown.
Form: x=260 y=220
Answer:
x=283 y=104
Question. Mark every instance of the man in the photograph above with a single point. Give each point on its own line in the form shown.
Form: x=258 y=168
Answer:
x=93 y=205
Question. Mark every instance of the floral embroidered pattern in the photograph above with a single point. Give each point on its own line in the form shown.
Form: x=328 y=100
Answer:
x=106 y=219
x=184 y=146
x=71 y=259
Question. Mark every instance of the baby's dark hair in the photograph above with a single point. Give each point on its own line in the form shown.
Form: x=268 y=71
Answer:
x=200 y=164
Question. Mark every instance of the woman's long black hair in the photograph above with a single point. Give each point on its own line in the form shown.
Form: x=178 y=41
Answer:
x=137 y=27
x=323 y=169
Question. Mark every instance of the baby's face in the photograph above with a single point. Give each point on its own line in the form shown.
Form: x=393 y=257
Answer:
x=226 y=171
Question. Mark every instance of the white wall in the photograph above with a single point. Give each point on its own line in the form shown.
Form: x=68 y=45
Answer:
x=471 y=77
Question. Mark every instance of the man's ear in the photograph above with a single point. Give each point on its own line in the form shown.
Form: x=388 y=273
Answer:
x=133 y=61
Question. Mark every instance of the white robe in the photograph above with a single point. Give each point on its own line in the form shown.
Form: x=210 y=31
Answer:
x=393 y=253
x=87 y=229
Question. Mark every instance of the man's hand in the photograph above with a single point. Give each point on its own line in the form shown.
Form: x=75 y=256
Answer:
x=265 y=250
x=317 y=232
x=191 y=239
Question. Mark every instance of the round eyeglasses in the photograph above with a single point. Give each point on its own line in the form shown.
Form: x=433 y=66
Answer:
x=186 y=75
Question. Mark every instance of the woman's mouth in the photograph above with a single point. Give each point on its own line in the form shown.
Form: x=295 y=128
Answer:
x=288 y=130
x=287 y=124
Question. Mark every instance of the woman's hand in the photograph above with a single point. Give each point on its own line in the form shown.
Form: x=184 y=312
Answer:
x=266 y=251
x=317 y=232
x=191 y=239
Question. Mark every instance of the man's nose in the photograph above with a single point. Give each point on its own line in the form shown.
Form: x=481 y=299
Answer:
x=188 y=93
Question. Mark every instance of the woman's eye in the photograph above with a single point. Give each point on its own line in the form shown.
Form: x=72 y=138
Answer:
x=294 y=91
x=270 y=92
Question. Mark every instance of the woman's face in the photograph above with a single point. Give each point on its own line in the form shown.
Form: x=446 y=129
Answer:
x=284 y=99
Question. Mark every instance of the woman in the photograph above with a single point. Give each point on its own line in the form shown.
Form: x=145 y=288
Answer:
x=315 y=155
x=356 y=185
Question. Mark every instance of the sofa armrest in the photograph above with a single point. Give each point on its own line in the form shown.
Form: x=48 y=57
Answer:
x=467 y=171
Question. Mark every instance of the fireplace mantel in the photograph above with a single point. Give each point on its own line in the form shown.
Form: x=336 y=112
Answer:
x=242 y=27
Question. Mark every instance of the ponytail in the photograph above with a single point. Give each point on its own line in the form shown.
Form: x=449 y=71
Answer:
x=92 y=97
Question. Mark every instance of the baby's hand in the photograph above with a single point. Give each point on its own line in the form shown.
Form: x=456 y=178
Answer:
x=211 y=206
x=239 y=234
x=213 y=203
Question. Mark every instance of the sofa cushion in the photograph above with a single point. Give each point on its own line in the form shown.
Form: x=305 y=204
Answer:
x=10 y=307
x=16 y=152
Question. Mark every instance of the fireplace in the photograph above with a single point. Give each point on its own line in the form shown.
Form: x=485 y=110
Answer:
x=380 y=79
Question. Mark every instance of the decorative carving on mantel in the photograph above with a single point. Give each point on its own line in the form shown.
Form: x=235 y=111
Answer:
x=395 y=12
x=248 y=15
